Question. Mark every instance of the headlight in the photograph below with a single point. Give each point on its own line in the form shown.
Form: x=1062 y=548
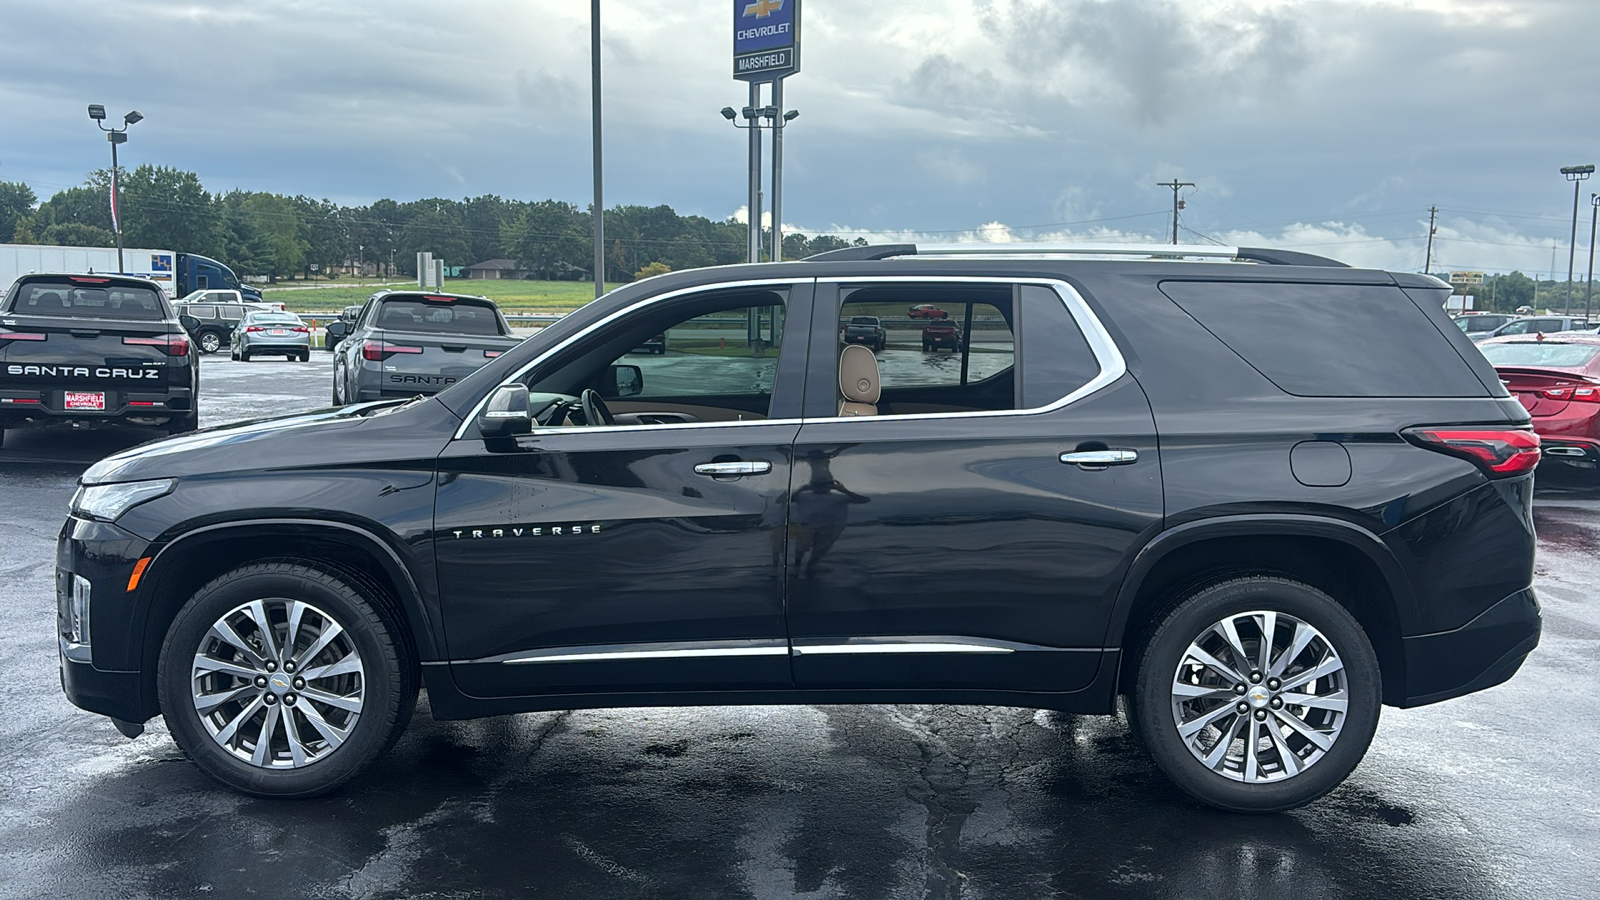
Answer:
x=107 y=502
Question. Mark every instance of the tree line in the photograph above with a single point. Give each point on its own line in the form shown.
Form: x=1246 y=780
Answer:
x=258 y=233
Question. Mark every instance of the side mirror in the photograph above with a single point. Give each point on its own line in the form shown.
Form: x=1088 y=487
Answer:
x=190 y=323
x=508 y=412
x=337 y=329
x=624 y=381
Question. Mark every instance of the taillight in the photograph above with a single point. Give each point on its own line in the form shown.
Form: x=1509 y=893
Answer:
x=1499 y=452
x=251 y=328
x=21 y=336
x=173 y=344
x=1580 y=394
x=300 y=329
x=379 y=350
x=491 y=353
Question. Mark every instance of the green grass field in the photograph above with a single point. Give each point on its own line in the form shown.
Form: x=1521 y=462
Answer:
x=512 y=296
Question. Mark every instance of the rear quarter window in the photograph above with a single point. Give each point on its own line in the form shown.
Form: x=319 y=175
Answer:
x=1323 y=340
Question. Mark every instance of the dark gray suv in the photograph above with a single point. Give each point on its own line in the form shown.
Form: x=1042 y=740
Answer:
x=405 y=343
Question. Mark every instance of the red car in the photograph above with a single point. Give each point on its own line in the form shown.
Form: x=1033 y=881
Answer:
x=941 y=335
x=926 y=311
x=1557 y=378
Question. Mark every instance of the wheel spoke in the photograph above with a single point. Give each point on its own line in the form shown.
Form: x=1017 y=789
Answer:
x=333 y=735
x=347 y=664
x=349 y=704
x=291 y=733
x=224 y=632
x=1322 y=741
x=1219 y=753
x=329 y=633
x=1334 y=702
x=1289 y=759
x=1230 y=632
x=1269 y=628
x=226 y=734
x=1193 y=726
x=1252 y=740
x=1303 y=634
x=1215 y=664
x=258 y=614
x=205 y=703
x=296 y=610
x=263 y=752
x=205 y=663
x=1323 y=669
x=1186 y=691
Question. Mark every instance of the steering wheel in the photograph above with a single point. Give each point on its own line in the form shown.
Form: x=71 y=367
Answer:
x=595 y=411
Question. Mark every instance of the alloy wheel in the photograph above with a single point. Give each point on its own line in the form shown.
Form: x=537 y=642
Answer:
x=278 y=683
x=210 y=343
x=1260 y=696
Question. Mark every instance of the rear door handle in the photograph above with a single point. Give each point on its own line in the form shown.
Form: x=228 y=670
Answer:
x=740 y=467
x=1099 y=459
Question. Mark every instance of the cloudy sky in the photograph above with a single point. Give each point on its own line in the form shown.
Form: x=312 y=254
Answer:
x=1329 y=126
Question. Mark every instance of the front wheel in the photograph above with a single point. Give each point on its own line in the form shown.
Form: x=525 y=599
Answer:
x=282 y=680
x=210 y=342
x=1258 y=694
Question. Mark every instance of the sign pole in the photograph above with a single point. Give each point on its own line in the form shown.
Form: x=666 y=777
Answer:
x=777 y=171
x=753 y=112
x=599 y=201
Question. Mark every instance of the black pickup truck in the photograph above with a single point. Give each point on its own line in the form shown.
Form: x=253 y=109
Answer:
x=100 y=348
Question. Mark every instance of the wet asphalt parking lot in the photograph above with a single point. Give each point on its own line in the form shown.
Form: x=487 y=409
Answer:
x=1490 y=795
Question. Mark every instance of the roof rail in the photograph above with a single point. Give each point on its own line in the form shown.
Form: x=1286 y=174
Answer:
x=1023 y=248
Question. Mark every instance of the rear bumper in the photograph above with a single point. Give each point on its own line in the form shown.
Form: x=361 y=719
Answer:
x=1480 y=654
x=18 y=405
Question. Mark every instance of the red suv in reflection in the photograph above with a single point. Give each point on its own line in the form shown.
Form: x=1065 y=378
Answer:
x=926 y=311
x=1557 y=379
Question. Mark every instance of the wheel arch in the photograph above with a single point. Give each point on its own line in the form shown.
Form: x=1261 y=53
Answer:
x=186 y=563
x=1341 y=559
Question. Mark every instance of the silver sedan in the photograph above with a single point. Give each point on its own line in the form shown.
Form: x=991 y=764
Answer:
x=271 y=332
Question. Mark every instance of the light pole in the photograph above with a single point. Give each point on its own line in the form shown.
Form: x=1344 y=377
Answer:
x=120 y=136
x=594 y=100
x=1575 y=174
x=752 y=117
x=779 y=119
x=1588 y=286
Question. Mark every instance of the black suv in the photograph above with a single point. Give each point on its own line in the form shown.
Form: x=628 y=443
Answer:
x=1169 y=481
x=94 y=349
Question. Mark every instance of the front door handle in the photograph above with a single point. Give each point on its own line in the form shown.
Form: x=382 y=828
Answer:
x=1099 y=459
x=739 y=467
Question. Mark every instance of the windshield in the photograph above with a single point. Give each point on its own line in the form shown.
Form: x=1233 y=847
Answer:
x=1541 y=353
x=453 y=317
x=89 y=299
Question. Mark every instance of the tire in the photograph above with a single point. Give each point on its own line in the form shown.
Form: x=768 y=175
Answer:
x=1291 y=770
x=926 y=348
x=244 y=356
x=225 y=741
x=305 y=355
x=209 y=342
x=183 y=423
x=338 y=386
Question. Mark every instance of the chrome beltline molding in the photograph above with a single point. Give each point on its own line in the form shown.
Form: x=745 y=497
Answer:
x=770 y=647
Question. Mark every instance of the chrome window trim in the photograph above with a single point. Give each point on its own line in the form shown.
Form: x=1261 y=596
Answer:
x=472 y=417
x=1112 y=364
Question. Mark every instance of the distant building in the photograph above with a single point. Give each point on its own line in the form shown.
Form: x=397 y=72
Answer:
x=497 y=269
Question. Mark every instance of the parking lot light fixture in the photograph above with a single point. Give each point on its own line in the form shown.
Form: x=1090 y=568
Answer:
x=1575 y=174
x=1588 y=285
x=116 y=136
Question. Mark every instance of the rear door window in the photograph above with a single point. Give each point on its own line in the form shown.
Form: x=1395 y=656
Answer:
x=1325 y=340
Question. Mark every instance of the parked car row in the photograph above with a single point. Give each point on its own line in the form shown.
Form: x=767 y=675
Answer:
x=1480 y=326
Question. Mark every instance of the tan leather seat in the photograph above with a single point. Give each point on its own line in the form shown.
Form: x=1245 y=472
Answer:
x=858 y=381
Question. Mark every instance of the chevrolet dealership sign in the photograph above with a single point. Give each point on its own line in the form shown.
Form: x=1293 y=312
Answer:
x=766 y=39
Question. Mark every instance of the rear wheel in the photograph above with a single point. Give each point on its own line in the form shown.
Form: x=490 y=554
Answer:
x=1258 y=694
x=282 y=680
x=244 y=355
x=183 y=423
x=210 y=342
x=338 y=385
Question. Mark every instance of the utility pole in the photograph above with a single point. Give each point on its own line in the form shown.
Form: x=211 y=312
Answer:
x=1575 y=174
x=1588 y=286
x=599 y=201
x=1177 y=204
x=1427 y=261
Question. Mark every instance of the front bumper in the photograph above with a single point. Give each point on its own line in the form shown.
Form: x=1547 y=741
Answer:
x=105 y=676
x=1480 y=654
